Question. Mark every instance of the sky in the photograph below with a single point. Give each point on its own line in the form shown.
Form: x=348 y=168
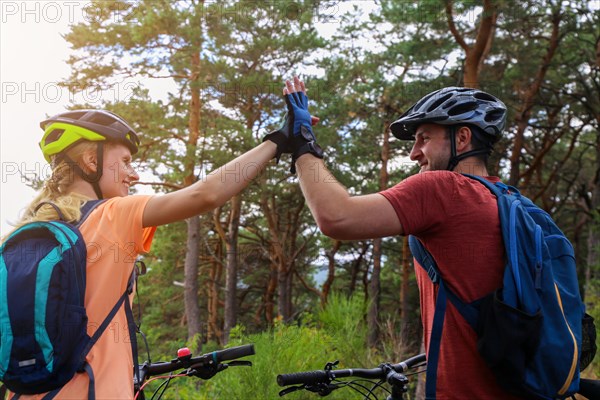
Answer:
x=32 y=60
x=33 y=57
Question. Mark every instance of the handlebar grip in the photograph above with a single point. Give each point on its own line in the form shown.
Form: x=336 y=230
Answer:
x=162 y=368
x=233 y=353
x=589 y=388
x=310 y=377
x=409 y=363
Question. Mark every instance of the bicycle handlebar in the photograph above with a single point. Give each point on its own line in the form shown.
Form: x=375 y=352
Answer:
x=233 y=353
x=312 y=379
x=186 y=361
x=589 y=388
x=204 y=366
x=326 y=376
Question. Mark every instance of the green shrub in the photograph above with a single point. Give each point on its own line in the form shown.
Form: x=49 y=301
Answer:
x=337 y=332
x=592 y=300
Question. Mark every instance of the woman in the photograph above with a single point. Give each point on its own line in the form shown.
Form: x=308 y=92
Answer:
x=90 y=152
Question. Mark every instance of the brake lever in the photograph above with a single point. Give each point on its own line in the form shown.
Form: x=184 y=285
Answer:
x=240 y=363
x=205 y=372
x=322 y=389
x=289 y=390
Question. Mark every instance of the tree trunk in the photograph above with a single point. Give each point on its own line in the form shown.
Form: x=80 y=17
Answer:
x=406 y=256
x=231 y=246
x=593 y=255
x=420 y=392
x=270 y=295
x=375 y=286
x=287 y=261
x=374 y=296
x=365 y=282
x=214 y=329
x=192 y=308
x=283 y=230
x=282 y=292
x=356 y=267
x=275 y=256
x=284 y=298
x=476 y=54
x=528 y=100
x=330 y=271
x=593 y=258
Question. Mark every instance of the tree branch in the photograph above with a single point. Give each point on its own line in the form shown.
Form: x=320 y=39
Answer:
x=309 y=288
x=452 y=26
x=488 y=19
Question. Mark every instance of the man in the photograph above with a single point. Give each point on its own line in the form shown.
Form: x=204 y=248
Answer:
x=455 y=217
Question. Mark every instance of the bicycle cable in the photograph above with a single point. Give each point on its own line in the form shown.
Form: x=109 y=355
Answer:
x=162 y=386
x=169 y=377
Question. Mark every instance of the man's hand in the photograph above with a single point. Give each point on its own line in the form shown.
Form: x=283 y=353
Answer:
x=281 y=136
x=302 y=140
x=297 y=103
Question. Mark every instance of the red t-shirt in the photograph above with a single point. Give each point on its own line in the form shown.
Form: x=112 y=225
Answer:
x=457 y=220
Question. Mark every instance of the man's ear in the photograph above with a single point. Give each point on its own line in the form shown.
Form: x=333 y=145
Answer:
x=463 y=139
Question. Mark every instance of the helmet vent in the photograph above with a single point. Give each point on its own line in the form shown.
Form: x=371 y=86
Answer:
x=101 y=119
x=438 y=102
x=463 y=108
x=54 y=136
x=73 y=115
x=494 y=115
x=484 y=96
x=449 y=104
x=420 y=103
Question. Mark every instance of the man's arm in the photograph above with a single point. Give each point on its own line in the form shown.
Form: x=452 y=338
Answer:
x=338 y=214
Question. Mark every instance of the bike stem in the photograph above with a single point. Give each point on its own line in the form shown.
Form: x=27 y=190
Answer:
x=397 y=382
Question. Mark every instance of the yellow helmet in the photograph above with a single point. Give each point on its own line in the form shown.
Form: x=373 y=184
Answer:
x=64 y=130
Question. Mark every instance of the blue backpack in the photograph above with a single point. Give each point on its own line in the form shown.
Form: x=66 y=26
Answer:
x=43 y=321
x=529 y=330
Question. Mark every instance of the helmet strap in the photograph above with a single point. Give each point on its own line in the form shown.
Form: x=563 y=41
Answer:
x=453 y=162
x=93 y=178
x=454 y=158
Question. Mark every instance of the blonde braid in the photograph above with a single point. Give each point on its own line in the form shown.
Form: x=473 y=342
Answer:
x=56 y=190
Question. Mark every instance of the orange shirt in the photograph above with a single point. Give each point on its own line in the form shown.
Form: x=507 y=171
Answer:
x=114 y=237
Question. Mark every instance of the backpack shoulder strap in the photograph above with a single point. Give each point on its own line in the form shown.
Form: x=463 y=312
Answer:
x=468 y=311
x=131 y=325
x=428 y=263
x=424 y=258
x=87 y=209
x=498 y=189
x=61 y=216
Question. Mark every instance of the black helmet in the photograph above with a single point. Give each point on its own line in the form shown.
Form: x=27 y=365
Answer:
x=454 y=106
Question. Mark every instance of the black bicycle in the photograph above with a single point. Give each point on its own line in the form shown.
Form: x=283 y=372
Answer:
x=204 y=367
x=325 y=381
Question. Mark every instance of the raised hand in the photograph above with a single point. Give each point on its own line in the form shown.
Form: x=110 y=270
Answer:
x=301 y=139
x=296 y=122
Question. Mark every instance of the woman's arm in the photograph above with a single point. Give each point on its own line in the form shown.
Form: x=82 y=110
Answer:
x=211 y=192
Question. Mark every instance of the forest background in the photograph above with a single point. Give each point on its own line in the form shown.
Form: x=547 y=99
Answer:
x=258 y=269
